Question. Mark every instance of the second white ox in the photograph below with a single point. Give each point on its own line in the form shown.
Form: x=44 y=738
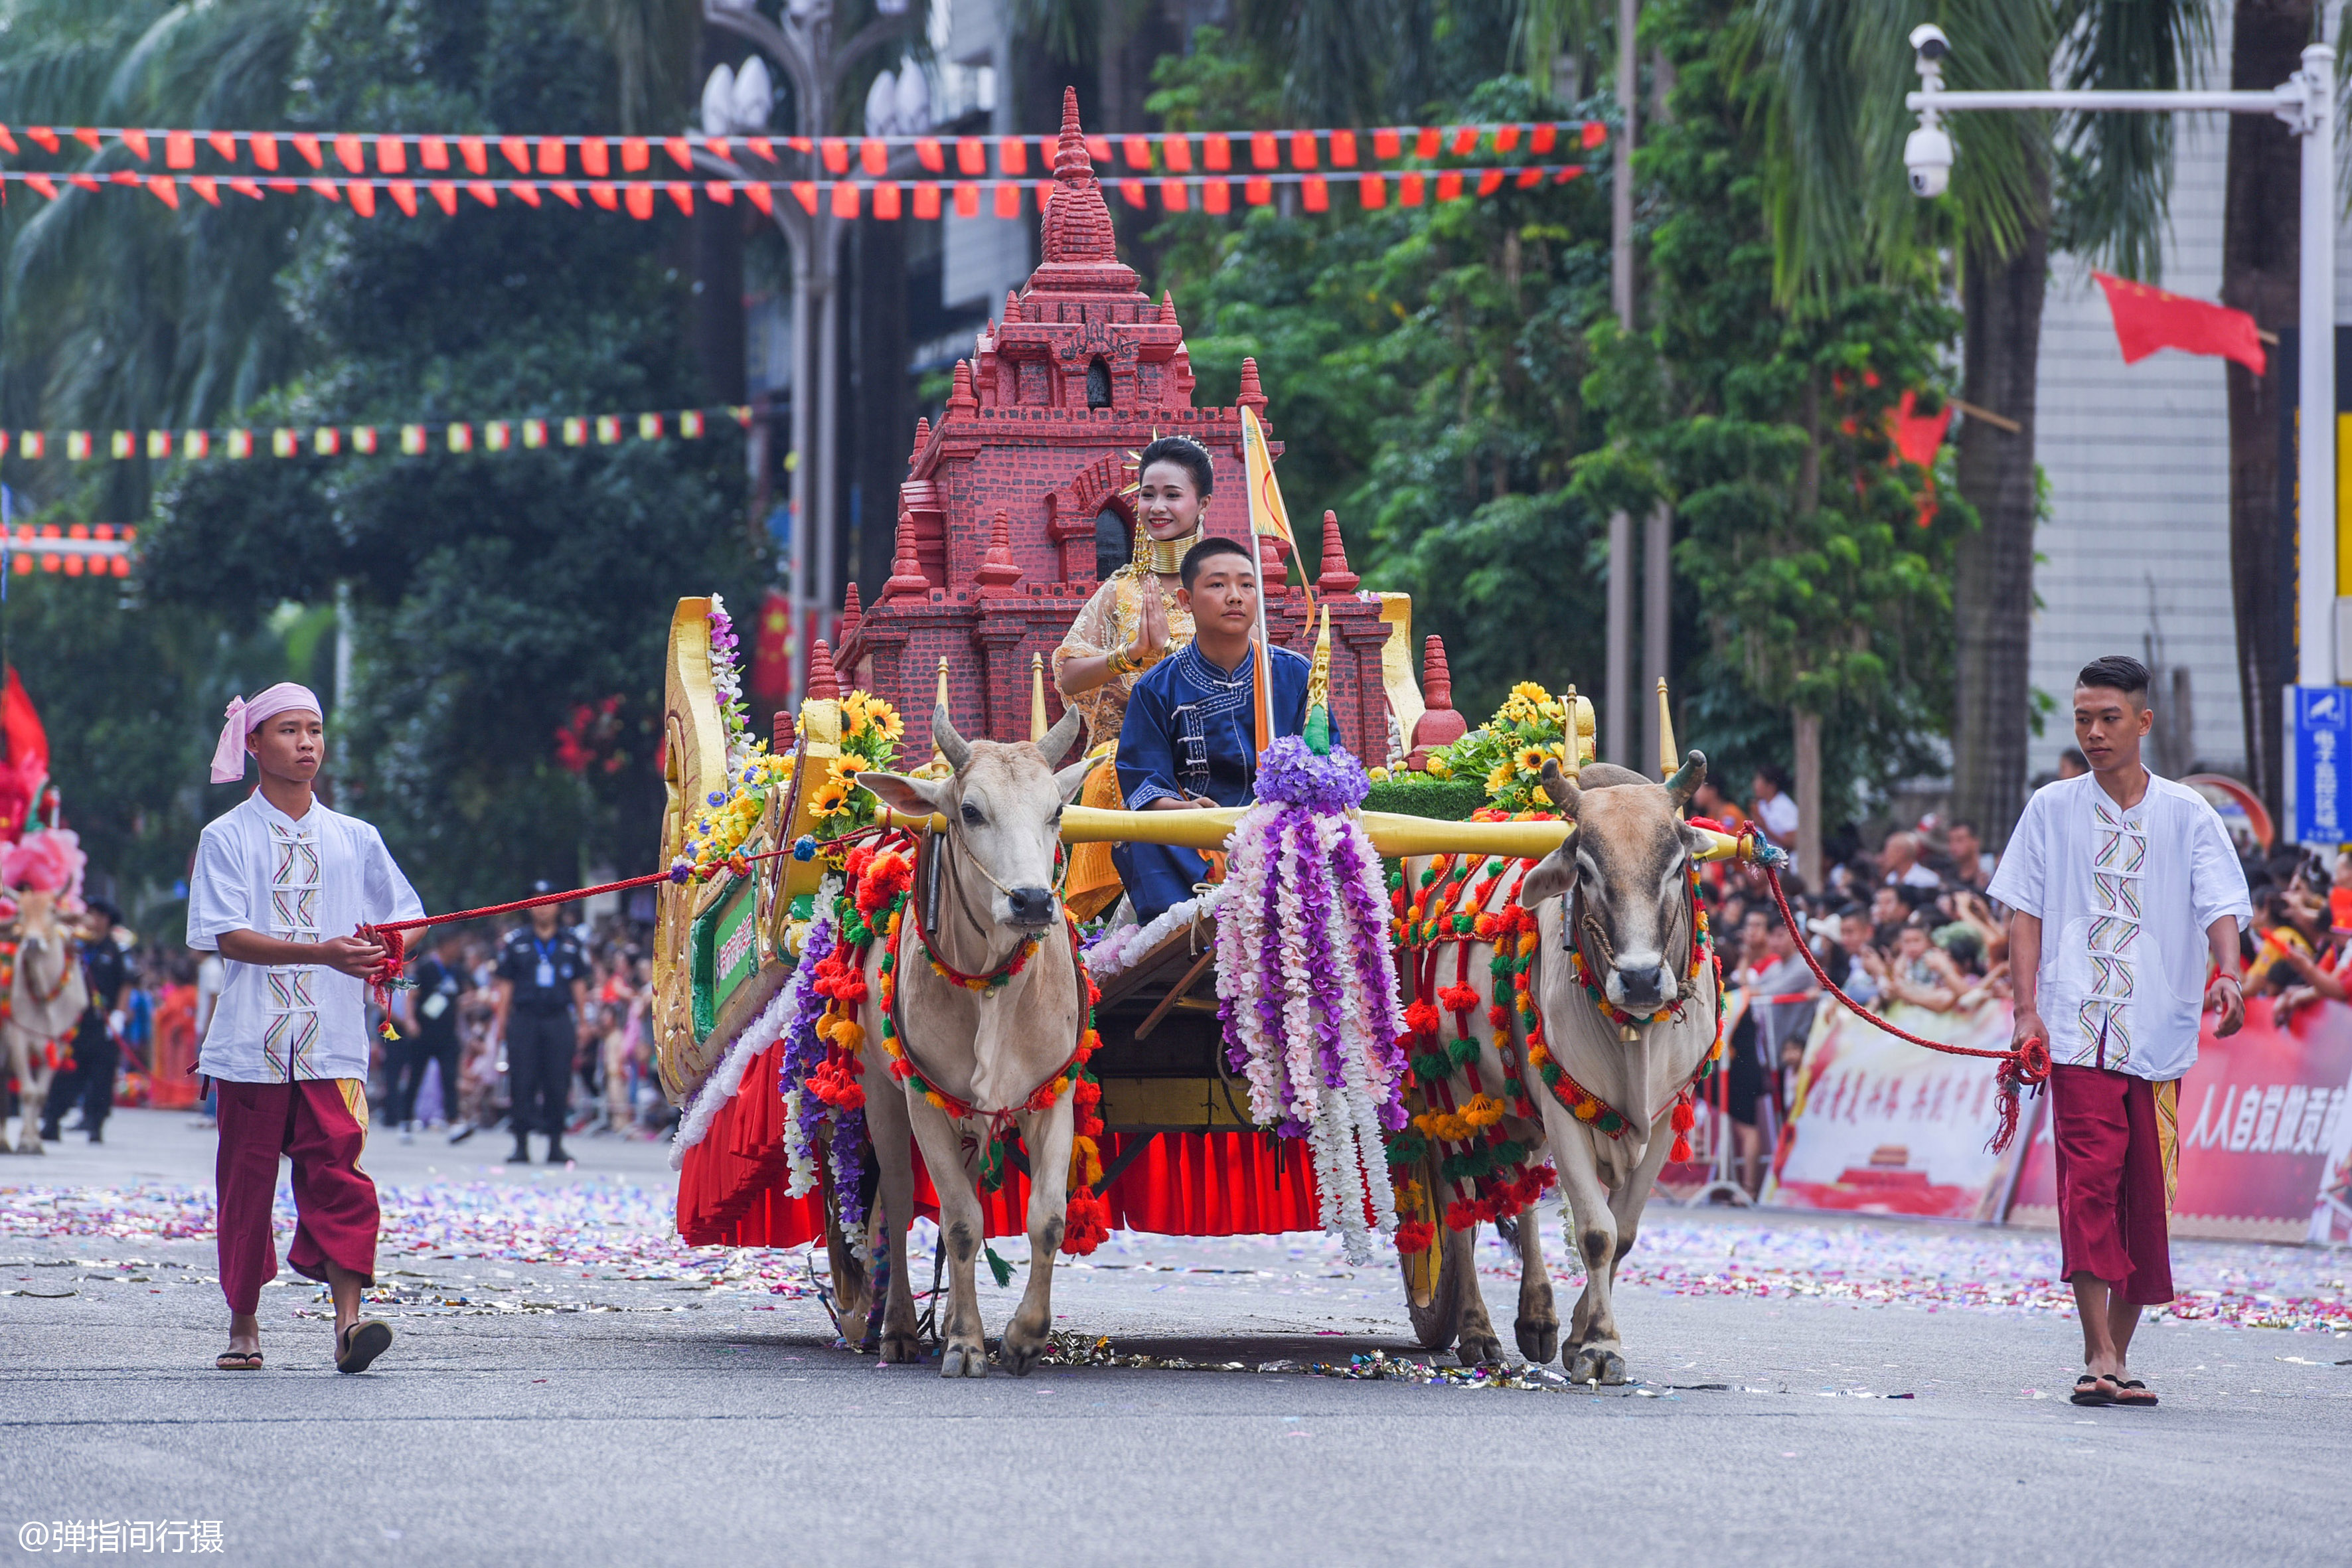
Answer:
x=1620 y=888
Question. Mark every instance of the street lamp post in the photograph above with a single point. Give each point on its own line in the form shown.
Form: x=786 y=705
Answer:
x=802 y=44
x=2306 y=102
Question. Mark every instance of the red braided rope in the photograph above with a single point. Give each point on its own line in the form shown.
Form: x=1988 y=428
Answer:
x=2026 y=1065
x=396 y=947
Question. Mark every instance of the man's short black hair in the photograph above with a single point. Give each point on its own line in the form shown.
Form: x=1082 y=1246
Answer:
x=1215 y=544
x=2116 y=672
x=1774 y=773
x=1187 y=454
x=1854 y=913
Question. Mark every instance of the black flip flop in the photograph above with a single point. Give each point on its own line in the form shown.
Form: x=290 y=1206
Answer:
x=2133 y=1391
x=2087 y=1389
x=238 y=1361
x=359 y=1344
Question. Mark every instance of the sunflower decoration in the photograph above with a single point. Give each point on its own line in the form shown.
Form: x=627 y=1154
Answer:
x=1509 y=751
x=870 y=732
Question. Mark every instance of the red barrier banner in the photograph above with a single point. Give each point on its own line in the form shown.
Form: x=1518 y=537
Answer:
x=1879 y=1126
x=2261 y=1123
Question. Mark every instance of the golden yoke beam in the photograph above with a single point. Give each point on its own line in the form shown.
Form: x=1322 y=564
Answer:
x=1393 y=833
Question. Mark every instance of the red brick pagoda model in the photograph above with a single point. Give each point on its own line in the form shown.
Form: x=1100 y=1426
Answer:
x=996 y=520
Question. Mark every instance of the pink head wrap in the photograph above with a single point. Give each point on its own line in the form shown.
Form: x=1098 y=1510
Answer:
x=244 y=715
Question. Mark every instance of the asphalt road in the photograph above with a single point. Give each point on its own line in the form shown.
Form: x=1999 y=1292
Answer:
x=613 y=1402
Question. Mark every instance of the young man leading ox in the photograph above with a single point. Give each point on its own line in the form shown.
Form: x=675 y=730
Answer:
x=2126 y=895
x=288 y=1045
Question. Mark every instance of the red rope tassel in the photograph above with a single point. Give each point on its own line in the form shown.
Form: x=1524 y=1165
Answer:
x=2026 y=1067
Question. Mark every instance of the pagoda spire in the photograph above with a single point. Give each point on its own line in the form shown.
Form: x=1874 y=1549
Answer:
x=825 y=682
x=1079 y=248
x=1252 y=395
x=1336 y=577
x=853 y=608
x=998 y=573
x=907 y=579
x=1439 y=725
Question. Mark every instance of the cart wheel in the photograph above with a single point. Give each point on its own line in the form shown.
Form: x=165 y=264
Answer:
x=1437 y=1321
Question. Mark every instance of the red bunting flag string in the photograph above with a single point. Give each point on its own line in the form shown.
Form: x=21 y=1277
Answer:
x=338 y=153
x=843 y=198
x=76 y=550
x=410 y=439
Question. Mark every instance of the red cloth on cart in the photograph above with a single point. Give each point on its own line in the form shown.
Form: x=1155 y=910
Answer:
x=730 y=1189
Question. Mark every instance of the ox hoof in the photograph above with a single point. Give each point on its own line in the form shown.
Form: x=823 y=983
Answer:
x=964 y=1361
x=1593 y=1364
x=1538 y=1341
x=901 y=1349
x=1021 y=1355
x=1479 y=1349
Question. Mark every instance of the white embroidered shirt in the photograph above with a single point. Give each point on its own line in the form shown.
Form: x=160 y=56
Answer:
x=258 y=869
x=2125 y=898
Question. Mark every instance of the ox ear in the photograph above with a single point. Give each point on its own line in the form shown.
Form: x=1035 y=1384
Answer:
x=1553 y=875
x=1686 y=779
x=1560 y=787
x=908 y=797
x=1072 y=779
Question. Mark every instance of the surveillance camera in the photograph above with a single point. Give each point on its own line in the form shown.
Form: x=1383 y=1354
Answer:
x=1929 y=42
x=1927 y=153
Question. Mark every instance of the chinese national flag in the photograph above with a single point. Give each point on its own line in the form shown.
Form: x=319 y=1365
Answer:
x=771 y=654
x=2150 y=319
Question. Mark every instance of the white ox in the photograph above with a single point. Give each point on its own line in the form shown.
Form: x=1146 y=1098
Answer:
x=1622 y=881
x=45 y=1001
x=994 y=871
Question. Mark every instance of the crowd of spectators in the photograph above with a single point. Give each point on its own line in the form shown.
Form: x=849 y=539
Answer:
x=454 y=1013
x=448 y=1072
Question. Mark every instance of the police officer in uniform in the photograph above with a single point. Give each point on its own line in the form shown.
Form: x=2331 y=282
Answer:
x=90 y=1082
x=542 y=998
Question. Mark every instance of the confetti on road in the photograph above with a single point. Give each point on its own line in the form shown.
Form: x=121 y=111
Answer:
x=623 y=1231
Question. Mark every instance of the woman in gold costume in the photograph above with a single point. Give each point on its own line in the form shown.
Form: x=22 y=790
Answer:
x=1131 y=624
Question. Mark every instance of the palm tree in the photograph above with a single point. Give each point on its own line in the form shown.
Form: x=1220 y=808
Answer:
x=1832 y=82
x=2262 y=273
x=123 y=314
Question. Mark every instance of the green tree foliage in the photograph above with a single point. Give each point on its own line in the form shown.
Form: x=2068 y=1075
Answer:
x=491 y=597
x=1449 y=379
x=496 y=594
x=1421 y=366
x=1766 y=428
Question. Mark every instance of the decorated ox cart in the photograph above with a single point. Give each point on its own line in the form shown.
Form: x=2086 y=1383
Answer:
x=1422 y=996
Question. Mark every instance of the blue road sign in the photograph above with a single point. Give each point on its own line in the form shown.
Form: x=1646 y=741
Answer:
x=2319 y=733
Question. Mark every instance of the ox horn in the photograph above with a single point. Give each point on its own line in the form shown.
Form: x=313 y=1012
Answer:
x=1560 y=786
x=945 y=739
x=1056 y=742
x=1686 y=779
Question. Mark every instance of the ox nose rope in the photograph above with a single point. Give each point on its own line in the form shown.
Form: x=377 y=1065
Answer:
x=2025 y=1066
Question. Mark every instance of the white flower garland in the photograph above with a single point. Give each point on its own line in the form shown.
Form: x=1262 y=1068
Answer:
x=727 y=1078
x=726 y=682
x=1286 y=1076
x=1114 y=949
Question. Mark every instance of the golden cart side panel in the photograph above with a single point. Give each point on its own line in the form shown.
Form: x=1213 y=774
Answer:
x=694 y=757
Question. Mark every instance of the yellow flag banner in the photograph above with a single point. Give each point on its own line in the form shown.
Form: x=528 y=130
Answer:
x=1267 y=514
